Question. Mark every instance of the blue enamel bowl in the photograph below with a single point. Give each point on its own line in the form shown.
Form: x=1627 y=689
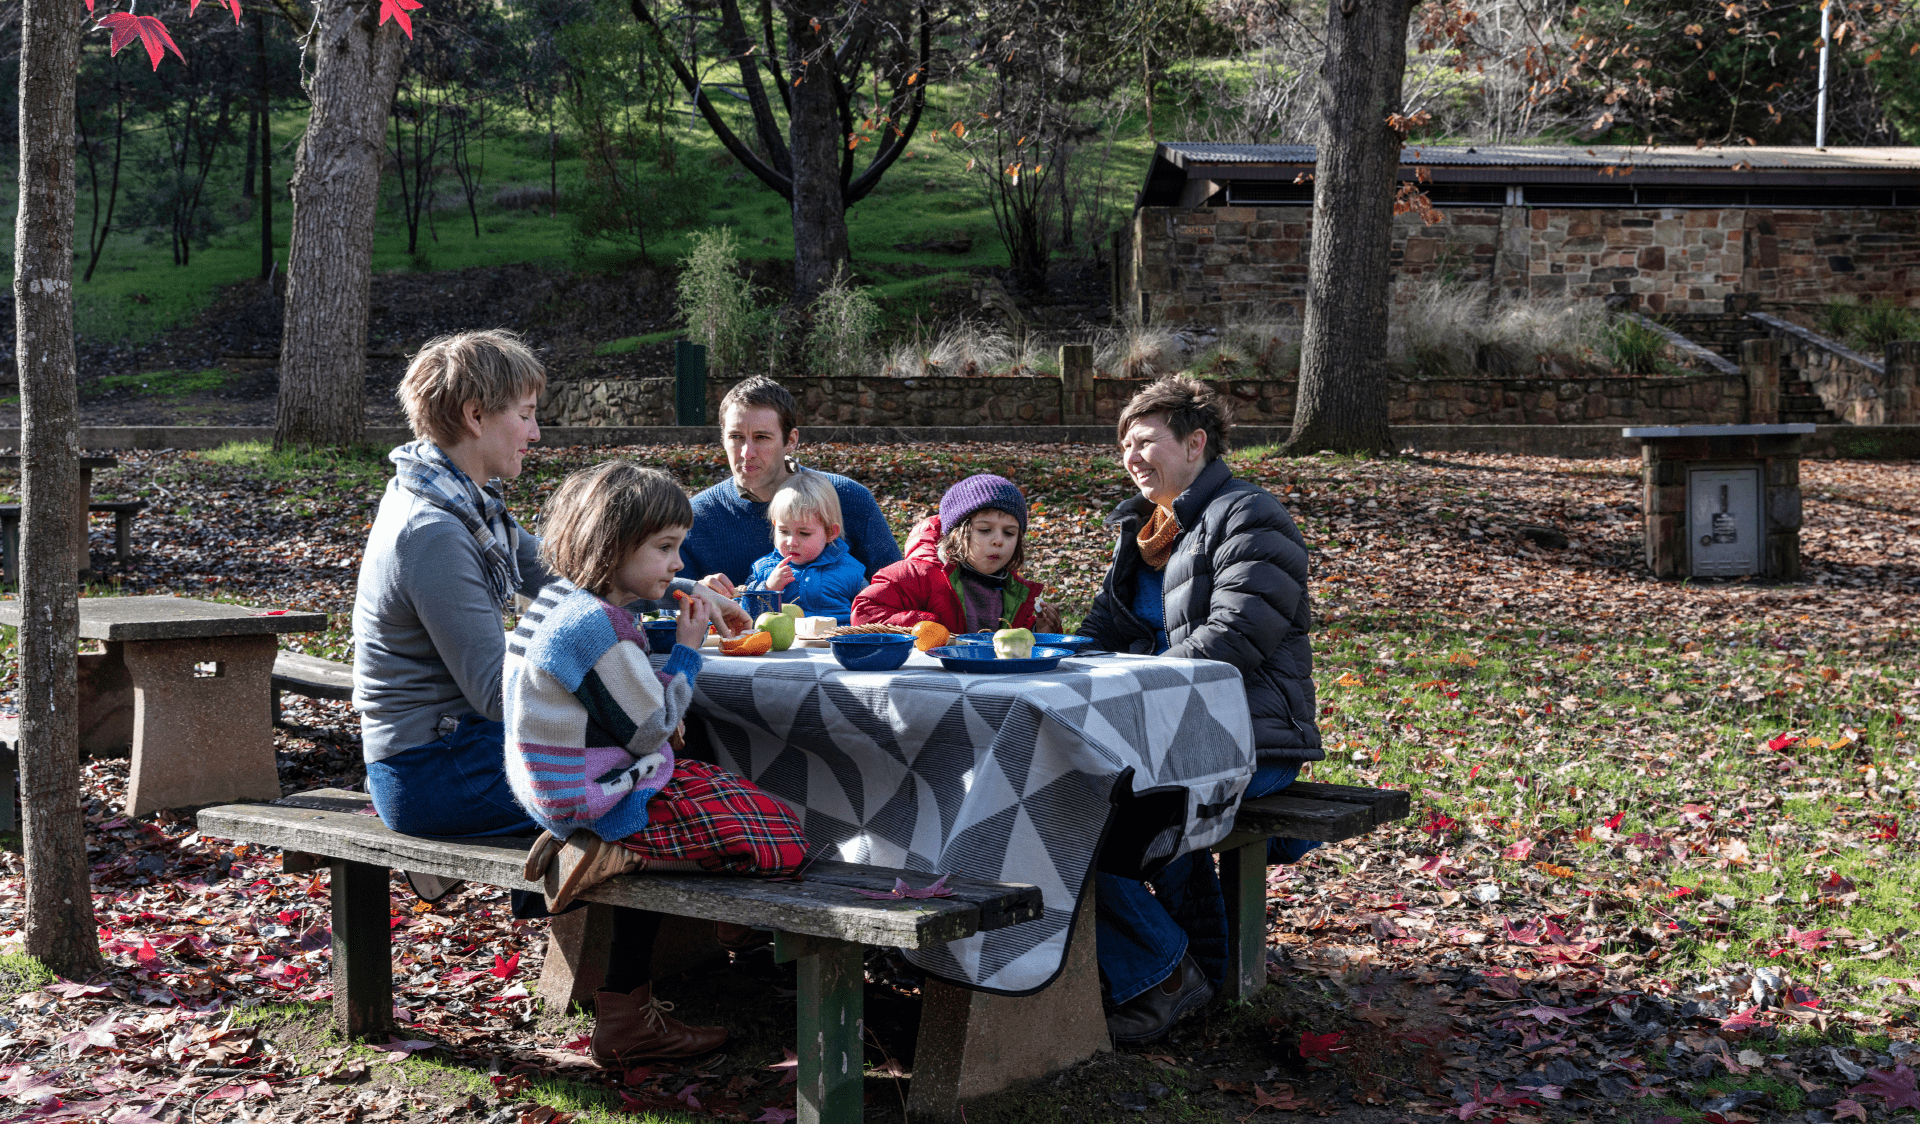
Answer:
x=978 y=659
x=661 y=636
x=882 y=651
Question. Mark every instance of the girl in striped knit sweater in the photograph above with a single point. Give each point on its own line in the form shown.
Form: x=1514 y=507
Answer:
x=592 y=728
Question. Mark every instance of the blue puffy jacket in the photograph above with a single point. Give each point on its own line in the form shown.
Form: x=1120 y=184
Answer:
x=824 y=587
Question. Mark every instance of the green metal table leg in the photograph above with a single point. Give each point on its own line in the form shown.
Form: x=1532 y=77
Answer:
x=1243 y=877
x=832 y=1061
x=362 y=950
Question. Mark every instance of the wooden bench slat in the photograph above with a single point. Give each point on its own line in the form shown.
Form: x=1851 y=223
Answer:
x=1388 y=804
x=1292 y=817
x=822 y=904
x=312 y=676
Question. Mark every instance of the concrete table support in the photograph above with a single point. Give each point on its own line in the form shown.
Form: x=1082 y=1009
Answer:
x=186 y=687
x=972 y=1044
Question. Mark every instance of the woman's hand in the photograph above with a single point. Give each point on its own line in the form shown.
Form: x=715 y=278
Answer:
x=726 y=614
x=721 y=584
x=694 y=615
x=781 y=578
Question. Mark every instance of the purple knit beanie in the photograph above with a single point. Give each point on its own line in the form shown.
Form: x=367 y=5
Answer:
x=976 y=492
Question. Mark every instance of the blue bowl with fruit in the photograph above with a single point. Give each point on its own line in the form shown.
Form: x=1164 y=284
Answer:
x=882 y=651
x=661 y=636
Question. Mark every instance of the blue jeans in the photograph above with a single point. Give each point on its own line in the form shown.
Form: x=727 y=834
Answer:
x=456 y=786
x=1142 y=934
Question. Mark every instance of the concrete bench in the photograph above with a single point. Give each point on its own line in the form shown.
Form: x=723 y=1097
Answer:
x=123 y=513
x=818 y=921
x=316 y=678
x=1324 y=813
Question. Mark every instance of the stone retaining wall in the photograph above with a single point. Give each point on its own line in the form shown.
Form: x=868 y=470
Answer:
x=1214 y=265
x=1848 y=383
x=1024 y=400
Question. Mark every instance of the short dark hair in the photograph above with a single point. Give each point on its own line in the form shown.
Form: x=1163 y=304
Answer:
x=600 y=515
x=761 y=392
x=1188 y=404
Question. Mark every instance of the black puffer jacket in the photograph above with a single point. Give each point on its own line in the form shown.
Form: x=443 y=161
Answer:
x=1236 y=591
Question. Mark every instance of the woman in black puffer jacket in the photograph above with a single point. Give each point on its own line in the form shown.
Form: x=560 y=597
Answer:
x=1207 y=567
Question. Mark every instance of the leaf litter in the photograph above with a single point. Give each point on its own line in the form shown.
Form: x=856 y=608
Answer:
x=1648 y=874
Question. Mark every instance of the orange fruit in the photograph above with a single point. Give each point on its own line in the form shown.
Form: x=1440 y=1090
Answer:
x=750 y=644
x=928 y=635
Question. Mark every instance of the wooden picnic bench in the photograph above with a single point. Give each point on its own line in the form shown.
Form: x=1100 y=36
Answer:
x=819 y=921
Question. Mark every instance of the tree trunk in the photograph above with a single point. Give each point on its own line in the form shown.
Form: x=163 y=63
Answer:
x=815 y=140
x=59 y=923
x=336 y=187
x=1342 y=403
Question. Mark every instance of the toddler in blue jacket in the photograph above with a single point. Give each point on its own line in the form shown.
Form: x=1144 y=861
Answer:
x=810 y=564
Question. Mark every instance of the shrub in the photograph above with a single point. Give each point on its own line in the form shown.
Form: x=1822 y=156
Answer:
x=1634 y=348
x=1140 y=352
x=1454 y=330
x=1837 y=317
x=845 y=319
x=962 y=348
x=1881 y=323
x=719 y=304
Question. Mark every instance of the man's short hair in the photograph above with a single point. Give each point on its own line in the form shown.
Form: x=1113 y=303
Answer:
x=1188 y=404
x=762 y=393
x=807 y=495
x=493 y=367
x=600 y=515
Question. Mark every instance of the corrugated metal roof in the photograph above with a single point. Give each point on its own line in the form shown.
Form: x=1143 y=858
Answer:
x=1724 y=158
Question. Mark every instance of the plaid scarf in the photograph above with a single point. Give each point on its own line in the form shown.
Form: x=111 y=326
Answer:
x=1156 y=538
x=425 y=470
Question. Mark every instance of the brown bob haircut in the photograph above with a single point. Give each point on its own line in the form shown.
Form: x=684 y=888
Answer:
x=1187 y=404
x=493 y=367
x=762 y=393
x=600 y=515
x=953 y=544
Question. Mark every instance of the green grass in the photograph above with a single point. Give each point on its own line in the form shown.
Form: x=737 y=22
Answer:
x=625 y=344
x=361 y=467
x=165 y=384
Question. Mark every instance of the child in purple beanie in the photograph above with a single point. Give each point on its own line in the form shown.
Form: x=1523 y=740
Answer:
x=962 y=571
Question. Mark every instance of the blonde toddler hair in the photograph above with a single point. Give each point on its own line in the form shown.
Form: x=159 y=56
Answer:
x=600 y=515
x=807 y=495
x=493 y=367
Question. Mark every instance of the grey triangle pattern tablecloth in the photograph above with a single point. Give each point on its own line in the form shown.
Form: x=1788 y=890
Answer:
x=1007 y=777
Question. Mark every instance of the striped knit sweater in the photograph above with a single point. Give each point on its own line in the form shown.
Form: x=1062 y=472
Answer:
x=587 y=716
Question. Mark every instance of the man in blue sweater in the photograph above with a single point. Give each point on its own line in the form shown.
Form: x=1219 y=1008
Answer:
x=731 y=531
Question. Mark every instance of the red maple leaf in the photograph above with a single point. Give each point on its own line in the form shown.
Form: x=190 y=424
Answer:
x=396 y=10
x=1614 y=821
x=1519 y=851
x=1885 y=827
x=193 y=5
x=504 y=969
x=1321 y=1046
x=1741 y=1020
x=126 y=27
x=1808 y=941
x=1895 y=1087
x=1781 y=742
x=1848 y=1107
x=1837 y=884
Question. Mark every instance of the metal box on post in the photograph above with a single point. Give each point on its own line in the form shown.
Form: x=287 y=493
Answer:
x=1723 y=519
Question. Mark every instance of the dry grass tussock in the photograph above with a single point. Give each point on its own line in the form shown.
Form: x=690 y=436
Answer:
x=1455 y=330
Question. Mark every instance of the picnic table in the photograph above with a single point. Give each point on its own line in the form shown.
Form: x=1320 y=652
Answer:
x=186 y=686
x=83 y=563
x=1011 y=778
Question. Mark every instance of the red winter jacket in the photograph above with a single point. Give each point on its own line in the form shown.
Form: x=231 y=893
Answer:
x=923 y=588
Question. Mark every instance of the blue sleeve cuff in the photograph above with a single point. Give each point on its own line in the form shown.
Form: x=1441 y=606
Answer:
x=682 y=661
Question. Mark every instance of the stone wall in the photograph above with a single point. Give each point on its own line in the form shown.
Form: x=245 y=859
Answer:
x=1702 y=400
x=1212 y=265
x=1848 y=383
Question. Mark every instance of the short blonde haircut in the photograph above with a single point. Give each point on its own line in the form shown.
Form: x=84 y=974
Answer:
x=494 y=368
x=600 y=515
x=806 y=495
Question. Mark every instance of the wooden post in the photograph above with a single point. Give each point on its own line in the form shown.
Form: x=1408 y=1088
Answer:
x=1243 y=877
x=689 y=383
x=576 y=966
x=832 y=1060
x=1760 y=361
x=1076 y=384
x=362 y=950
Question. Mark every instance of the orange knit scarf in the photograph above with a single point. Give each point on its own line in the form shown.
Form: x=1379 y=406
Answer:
x=1156 y=538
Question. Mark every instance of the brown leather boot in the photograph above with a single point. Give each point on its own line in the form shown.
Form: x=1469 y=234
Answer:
x=637 y=1028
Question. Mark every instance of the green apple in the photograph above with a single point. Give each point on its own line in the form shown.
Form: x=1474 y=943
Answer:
x=1013 y=644
x=777 y=625
x=793 y=609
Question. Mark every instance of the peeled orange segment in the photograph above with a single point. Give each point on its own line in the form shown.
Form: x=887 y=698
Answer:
x=928 y=635
x=750 y=644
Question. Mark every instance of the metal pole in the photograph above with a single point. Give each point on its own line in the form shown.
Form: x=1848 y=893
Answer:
x=689 y=383
x=1820 y=106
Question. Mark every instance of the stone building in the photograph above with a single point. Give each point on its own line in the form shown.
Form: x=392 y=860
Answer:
x=1222 y=231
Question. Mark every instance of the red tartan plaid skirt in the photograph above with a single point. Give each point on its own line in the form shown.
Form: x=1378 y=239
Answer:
x=720 y=820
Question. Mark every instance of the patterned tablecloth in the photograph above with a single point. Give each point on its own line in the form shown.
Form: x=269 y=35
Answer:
x=1008 y=777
